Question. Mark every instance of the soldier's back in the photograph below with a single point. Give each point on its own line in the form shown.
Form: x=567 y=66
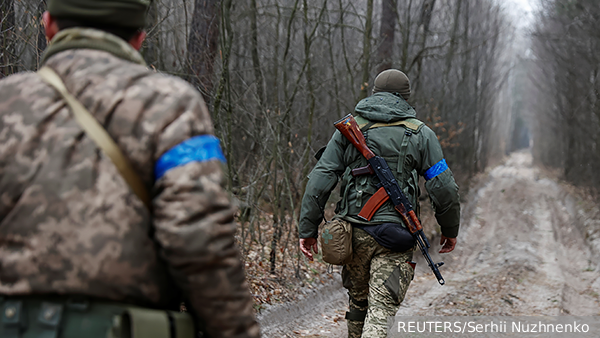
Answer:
x=69 y=224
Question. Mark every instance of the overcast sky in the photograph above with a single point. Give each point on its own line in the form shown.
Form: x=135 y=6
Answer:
x=524 y=4
x=522 y=11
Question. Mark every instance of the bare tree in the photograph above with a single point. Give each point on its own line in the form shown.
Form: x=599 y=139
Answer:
x=278 y=73
x=422 y=32
x=7 y=26
x=389 y=18
x=202 y=44
x=40 y=31
x=366 y=56
x=564 y=73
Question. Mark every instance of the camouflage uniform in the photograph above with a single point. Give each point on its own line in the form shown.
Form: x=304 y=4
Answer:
x=70 y=225
x=377 y=278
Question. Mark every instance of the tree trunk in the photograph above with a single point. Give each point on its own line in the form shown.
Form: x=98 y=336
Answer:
x=151 y=49
x=366 y=51
x=385 y=50
x=453 y=38
x=258 y=76
x=349 y=68
x=406 y=43
x=7 y=26
x=423 y=32
x=255 y=59
x=203 y=45
x=41 y=32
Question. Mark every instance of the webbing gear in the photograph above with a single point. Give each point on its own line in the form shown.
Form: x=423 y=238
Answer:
x=70 y=316
x=136 y=322
x=13 y=319
x=99 y=135
x=184 y=326
x=411 y=125
x=403 y=148
x=50 y=316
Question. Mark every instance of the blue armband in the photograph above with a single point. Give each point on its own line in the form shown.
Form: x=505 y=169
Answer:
x=436 y=169
x=196 y=149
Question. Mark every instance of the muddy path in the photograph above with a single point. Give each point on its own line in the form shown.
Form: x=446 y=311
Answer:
x=521 y=251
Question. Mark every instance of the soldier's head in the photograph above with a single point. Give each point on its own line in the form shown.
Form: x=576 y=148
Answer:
x=123 y=18
x=392 y=81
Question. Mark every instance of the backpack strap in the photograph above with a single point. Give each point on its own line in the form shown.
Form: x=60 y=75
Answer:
x=411 y=124
x=403 y=148
x=99 y=135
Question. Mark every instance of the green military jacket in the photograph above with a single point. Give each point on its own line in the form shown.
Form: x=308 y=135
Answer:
x=410 y=148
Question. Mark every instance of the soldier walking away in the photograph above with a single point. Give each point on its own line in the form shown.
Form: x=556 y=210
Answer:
x=112 y=209
x=380 y=269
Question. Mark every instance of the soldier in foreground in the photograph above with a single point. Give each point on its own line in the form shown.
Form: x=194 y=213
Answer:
x=106 y=241
x=379 y=270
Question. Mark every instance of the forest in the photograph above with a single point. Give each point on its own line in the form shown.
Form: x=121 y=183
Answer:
x=276 y=74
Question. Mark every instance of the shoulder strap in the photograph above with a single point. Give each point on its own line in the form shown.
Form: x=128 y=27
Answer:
x=99 y=135
x=363 y=123
x=411 y=123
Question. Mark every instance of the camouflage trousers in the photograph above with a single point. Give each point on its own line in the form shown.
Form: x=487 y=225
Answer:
x=377 y=280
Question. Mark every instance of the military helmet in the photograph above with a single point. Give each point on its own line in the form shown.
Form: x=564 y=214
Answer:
x=393 y=81
x=120 y=13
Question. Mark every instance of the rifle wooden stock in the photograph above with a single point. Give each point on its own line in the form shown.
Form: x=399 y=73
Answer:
x=349 y=128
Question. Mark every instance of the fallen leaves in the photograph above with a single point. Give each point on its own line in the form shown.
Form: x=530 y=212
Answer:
x=292 y=271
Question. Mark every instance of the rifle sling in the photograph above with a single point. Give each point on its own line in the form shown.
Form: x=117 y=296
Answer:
x=99 y=135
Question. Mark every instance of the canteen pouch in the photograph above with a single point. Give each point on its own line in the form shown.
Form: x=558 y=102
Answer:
x=336 y=242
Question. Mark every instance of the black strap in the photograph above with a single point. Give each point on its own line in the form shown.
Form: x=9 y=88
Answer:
x=367 y=126
x=357 y=315
x=359 y=303
x=320 y=152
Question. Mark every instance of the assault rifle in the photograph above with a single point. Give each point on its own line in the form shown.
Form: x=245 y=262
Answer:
x=389 y=190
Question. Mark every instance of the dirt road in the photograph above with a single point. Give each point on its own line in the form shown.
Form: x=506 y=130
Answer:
x=521 y=252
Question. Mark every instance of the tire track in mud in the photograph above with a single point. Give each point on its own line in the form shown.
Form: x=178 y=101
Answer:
x=318 y=313
x=520 y=251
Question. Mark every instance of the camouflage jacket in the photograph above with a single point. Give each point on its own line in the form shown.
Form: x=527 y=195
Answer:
x=69 y=224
